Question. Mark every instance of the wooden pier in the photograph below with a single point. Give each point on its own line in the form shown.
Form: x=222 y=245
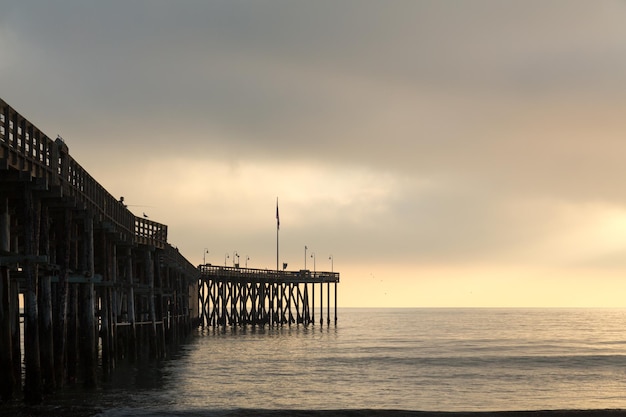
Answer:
x=97 y=284
x=245 y=296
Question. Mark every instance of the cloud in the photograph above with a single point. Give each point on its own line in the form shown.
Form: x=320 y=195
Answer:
x=416 y=134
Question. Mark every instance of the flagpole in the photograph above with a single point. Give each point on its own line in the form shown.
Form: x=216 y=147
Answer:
x=277 y=229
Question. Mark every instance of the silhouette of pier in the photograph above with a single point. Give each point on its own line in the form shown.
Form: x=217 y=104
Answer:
x=246 y=296
x=99 y=285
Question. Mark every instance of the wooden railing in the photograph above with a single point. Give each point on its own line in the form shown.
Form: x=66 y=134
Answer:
x=150 y=233
x=234 y=273
x=27 y=150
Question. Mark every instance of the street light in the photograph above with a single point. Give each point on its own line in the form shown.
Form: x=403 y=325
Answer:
x=313 y=256
x=235 y=255
x=247 y=259
x=332 y=267
x=204 y=256
x=305 y=248
x=225 y=257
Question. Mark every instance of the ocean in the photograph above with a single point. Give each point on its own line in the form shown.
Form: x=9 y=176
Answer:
x=402 y=359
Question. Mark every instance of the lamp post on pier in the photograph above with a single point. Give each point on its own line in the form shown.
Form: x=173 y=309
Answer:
x=313 y=256
x=332 y=267
x=225 y=257
x=204 y=256
x=247 y=259
x=305 y=248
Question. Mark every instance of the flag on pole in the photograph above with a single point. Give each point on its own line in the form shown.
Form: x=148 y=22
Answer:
x=277 y=217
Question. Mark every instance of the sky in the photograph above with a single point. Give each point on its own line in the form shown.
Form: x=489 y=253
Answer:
x=443 y=153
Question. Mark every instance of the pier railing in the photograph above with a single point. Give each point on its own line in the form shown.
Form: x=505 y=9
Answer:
x=150 y=233
x=27 y=150
x=267 y=275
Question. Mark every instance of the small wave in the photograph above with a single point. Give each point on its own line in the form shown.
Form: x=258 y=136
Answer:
x=582 y=361
x=126 y=412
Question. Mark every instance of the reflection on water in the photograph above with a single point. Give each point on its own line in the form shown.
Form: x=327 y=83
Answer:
x=419 y=359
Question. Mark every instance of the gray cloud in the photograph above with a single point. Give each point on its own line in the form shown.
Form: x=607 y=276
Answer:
x=496 y=105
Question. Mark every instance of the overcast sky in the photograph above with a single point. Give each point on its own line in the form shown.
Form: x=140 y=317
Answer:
x=445 y=153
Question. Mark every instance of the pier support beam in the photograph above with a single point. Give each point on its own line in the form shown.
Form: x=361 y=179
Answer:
x=115 y=305
x=87 y=336
x=16 y=334
x=104 y=295
x=335 y=303
x=130 y=306
x=149 y=267
x=328 y=304
x=7 y=380
x=72 y=334
x=321 y=304
x=33 y=389
x=45 y=309
x=63 y=237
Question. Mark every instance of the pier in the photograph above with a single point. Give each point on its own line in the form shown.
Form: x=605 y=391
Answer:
x=245 y=296
x=96 y=283
x=85 y=284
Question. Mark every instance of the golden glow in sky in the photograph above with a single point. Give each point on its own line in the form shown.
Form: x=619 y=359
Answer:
x=444 y=153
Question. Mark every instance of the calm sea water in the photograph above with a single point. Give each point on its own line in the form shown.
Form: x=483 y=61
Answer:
x=416 y=359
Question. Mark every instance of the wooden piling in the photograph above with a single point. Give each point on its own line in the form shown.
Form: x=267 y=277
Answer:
x=7 y=381
x=16 y=334
x=33 y=388
x=152 y=335
x=130 y=307
x=321 y=304
x=87 y=336
x=115 y=304
x=328 y=304
x=104 y=294
x=45 y=309
x=335 y=303
x=159 y=304
x=313 y=303
x=64 y=239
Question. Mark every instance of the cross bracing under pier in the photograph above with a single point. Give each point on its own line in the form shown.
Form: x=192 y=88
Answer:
x=246 y=296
